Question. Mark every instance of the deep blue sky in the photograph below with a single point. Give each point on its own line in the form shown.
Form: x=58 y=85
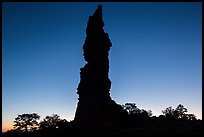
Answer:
x=155 y=59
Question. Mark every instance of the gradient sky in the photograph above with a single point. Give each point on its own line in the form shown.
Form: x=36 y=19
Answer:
x=155 y=59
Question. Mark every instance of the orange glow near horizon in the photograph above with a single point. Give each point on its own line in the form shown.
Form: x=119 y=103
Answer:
x=9 y=126
x=6 y=127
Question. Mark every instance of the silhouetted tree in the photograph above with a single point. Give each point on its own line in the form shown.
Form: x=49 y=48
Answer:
x=143 y=113
x=191 y=117
x=168 y=110
x=161 y=117
x=135 y=114
x=180 y=112
x=62 y=123
x=169 y=113
x=131 y=108
x=26 y=121
x=53 y=121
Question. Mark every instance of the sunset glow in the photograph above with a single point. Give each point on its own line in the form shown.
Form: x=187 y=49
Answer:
x=155 y=58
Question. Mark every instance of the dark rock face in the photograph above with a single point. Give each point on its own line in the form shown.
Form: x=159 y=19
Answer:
x=95 y=103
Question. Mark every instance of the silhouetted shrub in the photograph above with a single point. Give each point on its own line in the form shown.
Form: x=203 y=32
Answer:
x=26 y=122
x=178 y=113
x=52 y=122
x=162 y=117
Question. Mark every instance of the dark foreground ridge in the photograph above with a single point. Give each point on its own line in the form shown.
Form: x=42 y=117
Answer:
x=144 y=126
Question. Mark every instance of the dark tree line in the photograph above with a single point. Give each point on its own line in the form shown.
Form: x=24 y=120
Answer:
x=135 y=114
x=132 y=109
x=52 y=122
x=29 y=124
x=179 y=113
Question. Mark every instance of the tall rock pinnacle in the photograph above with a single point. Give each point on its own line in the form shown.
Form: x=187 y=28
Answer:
x=95 y=103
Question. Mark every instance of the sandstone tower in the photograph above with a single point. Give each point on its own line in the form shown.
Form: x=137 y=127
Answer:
x=95 y=103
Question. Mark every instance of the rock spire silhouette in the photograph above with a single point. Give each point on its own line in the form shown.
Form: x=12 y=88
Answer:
x=95 y=103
